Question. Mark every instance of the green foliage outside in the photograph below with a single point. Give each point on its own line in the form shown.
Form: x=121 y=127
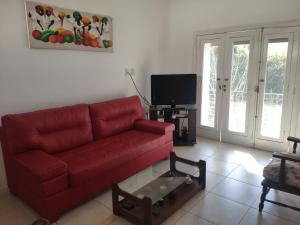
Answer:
x=276 y=66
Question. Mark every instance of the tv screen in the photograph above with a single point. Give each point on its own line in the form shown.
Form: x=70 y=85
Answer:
x=176 y=89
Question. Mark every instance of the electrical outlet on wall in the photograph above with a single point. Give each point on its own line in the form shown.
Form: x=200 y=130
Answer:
x=129 y=71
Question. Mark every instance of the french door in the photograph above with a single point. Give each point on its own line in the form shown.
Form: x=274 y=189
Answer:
x=228 y=68
x=211 y=49
x=276 y=84
x=245 y=95
x=240 y=67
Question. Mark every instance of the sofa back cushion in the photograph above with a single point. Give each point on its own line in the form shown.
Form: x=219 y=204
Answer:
x=52 y=130
x=116 y=116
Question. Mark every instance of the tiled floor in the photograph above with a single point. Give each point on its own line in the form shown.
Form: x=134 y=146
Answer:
x=231 y=196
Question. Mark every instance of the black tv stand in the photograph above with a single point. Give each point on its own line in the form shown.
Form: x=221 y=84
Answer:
x=184 y=119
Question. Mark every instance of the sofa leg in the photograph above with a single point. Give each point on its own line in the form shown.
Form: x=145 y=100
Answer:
x=264 y=193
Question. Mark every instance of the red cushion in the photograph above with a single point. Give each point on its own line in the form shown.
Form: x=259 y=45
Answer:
x=116 y=116
x=94 y=159
x=41 y=164
x=51 y=130
x=154 y=126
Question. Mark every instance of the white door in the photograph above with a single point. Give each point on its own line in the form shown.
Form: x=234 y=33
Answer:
x=210 y=50
x=227 y=68
x=239 y=82
x=247 y=87
x=274 y=110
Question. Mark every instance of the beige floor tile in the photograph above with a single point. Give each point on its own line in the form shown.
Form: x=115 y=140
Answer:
x=189 y=153
x=283 y=213
x=174 y=218
x=206 y=147
x=186 y=168
x=233 y=156
x=105 y=198
x=248 y=175
x=262 y=157
x=170 y=221
x=232 y=147
x=220 y=167
x=190 y=219
x=260 y=154
x=219 y=210
x=20 y=216
x=237 y=191
x=120 y=221
x=15 y=211
x=253 y=217
x=162 y=166
x=9 y=203
x=212 y=179
x=90 y=213
x=193 y=201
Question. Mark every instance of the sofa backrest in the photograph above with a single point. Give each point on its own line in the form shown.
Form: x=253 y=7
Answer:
x=116 y=116
x=52 y=130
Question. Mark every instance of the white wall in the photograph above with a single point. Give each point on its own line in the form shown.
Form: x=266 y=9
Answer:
x=35 y=79
x=189 y=16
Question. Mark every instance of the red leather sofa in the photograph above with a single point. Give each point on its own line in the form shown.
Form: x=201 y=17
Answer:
x=58 y=158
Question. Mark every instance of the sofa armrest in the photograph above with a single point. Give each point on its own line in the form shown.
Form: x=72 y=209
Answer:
x=40 y=165
x=154 y=126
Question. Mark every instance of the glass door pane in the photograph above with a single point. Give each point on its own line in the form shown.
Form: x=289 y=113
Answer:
x=209 y=85
x=239 y=87
x=277 y=52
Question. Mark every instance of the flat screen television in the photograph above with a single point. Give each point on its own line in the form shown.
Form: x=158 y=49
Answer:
x=173 y=89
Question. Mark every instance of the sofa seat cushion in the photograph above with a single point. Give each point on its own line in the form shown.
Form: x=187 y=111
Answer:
x=41 y=165
x=92 y=160
x=292 y=169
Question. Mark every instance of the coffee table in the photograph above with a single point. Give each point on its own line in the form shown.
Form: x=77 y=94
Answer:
x=156 y=201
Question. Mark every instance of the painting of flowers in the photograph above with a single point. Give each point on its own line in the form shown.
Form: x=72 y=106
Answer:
x=52 y=27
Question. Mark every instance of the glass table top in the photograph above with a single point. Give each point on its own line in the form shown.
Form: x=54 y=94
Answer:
x=158 y=187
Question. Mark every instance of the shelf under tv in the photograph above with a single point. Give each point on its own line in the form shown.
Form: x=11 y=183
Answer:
x=175 y=116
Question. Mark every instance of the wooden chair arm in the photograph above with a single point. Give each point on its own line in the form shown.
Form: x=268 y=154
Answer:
x=287 y=156
x=293 y=139
x=296 y=141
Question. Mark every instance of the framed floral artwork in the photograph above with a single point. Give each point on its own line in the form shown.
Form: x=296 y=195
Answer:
x=51 y=27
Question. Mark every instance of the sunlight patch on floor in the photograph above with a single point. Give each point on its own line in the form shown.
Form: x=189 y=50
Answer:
x=249 y=162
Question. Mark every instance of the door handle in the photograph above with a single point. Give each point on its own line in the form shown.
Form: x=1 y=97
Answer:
x=218 y=81
x=224 y=87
